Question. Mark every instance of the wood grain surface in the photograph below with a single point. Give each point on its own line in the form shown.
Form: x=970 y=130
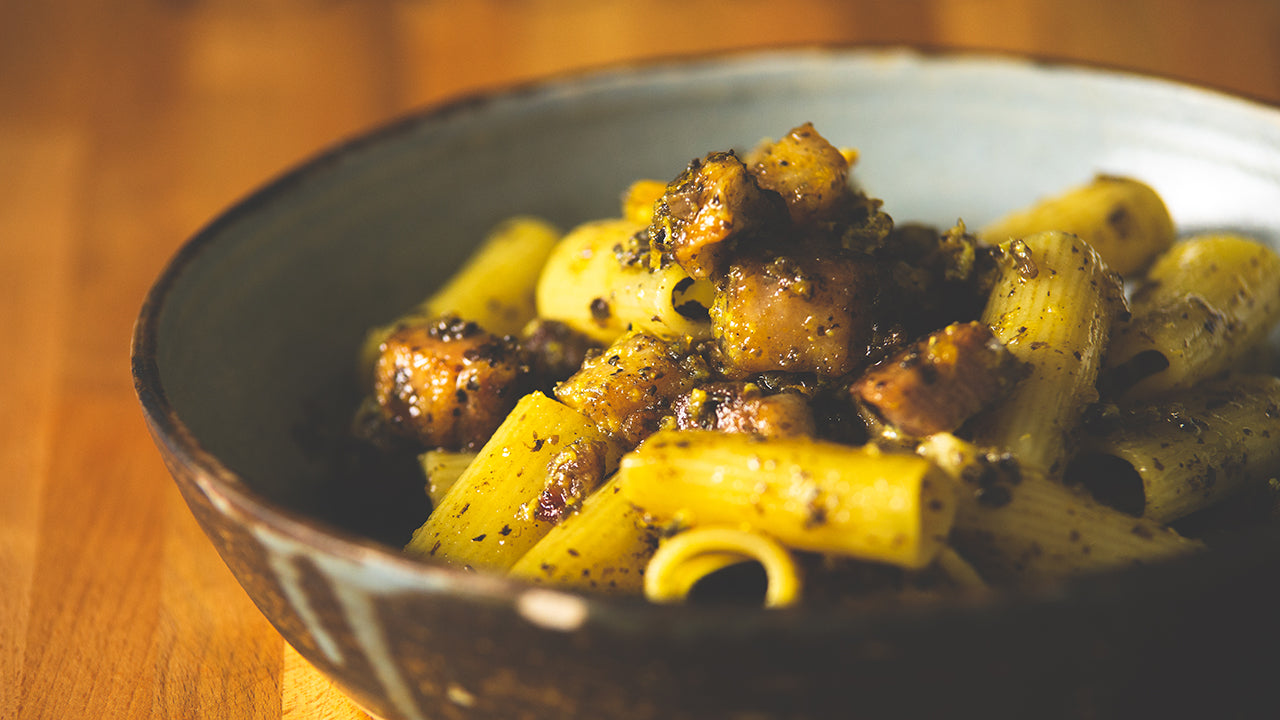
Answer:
x=126 y=125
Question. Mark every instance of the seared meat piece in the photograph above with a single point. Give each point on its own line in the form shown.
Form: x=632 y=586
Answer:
x=555 y=350
x=802 y=313
x=938 y=383
x=628 y=388
x=447 y=383
x=573 y=473
x=809 y=173
x=709 y=207
x=743 y=407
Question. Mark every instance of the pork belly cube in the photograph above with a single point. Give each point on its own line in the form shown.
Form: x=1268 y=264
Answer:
x=744 y=407
x=447 y=384
x=628 y=388
x=939 y=382
x=795 y=314
x=709 y=207
x=810 y=174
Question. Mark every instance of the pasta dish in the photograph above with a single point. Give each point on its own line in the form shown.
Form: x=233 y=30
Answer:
x=754 y=369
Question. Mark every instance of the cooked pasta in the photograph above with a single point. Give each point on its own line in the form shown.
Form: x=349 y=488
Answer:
x=751 y=364
x=1124 y=219
x=1204 y=305
x=604 y=547
x=586 y=286
x=442 y=468
x=489 y=516
x=494 y=289
x=1017 y=526
x=811 y=495
x=1053 y=306
x=695 y=554
x=1168 y=459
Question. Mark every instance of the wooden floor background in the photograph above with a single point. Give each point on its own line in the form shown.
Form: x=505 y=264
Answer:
x=125 y=125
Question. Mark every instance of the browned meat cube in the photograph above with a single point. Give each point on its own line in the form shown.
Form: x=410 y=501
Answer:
x=795 y=314
x=555 y=350
x=709 y=206
x=628 y=388
x=938 y=383
x=809 y=173
x=447 y=383
x=743 y=407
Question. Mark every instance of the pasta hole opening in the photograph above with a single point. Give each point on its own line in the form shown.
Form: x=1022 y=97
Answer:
x=692 y=299
x=1111 y=480
x=1122 y=377
x=745 y=583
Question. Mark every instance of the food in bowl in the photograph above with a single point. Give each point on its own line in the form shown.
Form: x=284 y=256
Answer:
x=754 y=363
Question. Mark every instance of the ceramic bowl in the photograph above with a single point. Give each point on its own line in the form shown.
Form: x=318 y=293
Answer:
x=242 y=360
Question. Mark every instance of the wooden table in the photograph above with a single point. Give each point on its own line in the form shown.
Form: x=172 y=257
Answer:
x=125 y=125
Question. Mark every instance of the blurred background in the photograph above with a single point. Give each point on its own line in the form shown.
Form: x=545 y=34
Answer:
x=126 y=124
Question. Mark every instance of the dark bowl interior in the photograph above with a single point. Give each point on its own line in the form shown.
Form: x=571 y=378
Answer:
x=243 y=355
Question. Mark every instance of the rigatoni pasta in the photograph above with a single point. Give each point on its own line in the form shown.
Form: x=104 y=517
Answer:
x=1205 y=303
x=693 y=555
x=1122 y=218
x=489 y=517
x=823 y=497
x=753 y=364
x=1170 y=458
x=604 y=547
x=1053 y=305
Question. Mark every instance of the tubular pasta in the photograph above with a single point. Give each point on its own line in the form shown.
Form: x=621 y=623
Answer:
x=692 y=555
x=589 y=288
x=494 y=288
x=1187 y=452
x=1017 y=526
x=808 y=494
x=442 y=469
x=485 y=520
x=1052 y=306
x=1123 y=219
x=604 y=547
x=1206 y=303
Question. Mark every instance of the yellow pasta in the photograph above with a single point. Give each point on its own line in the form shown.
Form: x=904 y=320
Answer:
x=1180 y=455
x=694 y=554
x=442 y=469
x=1053 y=307
x=597 y=282
x=1019 y=527
x=494 y=288
x=637 y=203
x=808 y=494
x=1207 y=302
x=1123 y=219
x=603 y=547
x=486 y=520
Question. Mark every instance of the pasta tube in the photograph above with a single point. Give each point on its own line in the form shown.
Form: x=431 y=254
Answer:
x=599 y=282
x=494 y=288
x=641 y=196
x=1052 y=306
x=808 y=494
x=692 y=555
x=1187 y=452
x=486 y=518
x=442 y=469
x=1123 y=219
x=1208 y=301
x=604 y=547
x=1015 y=525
